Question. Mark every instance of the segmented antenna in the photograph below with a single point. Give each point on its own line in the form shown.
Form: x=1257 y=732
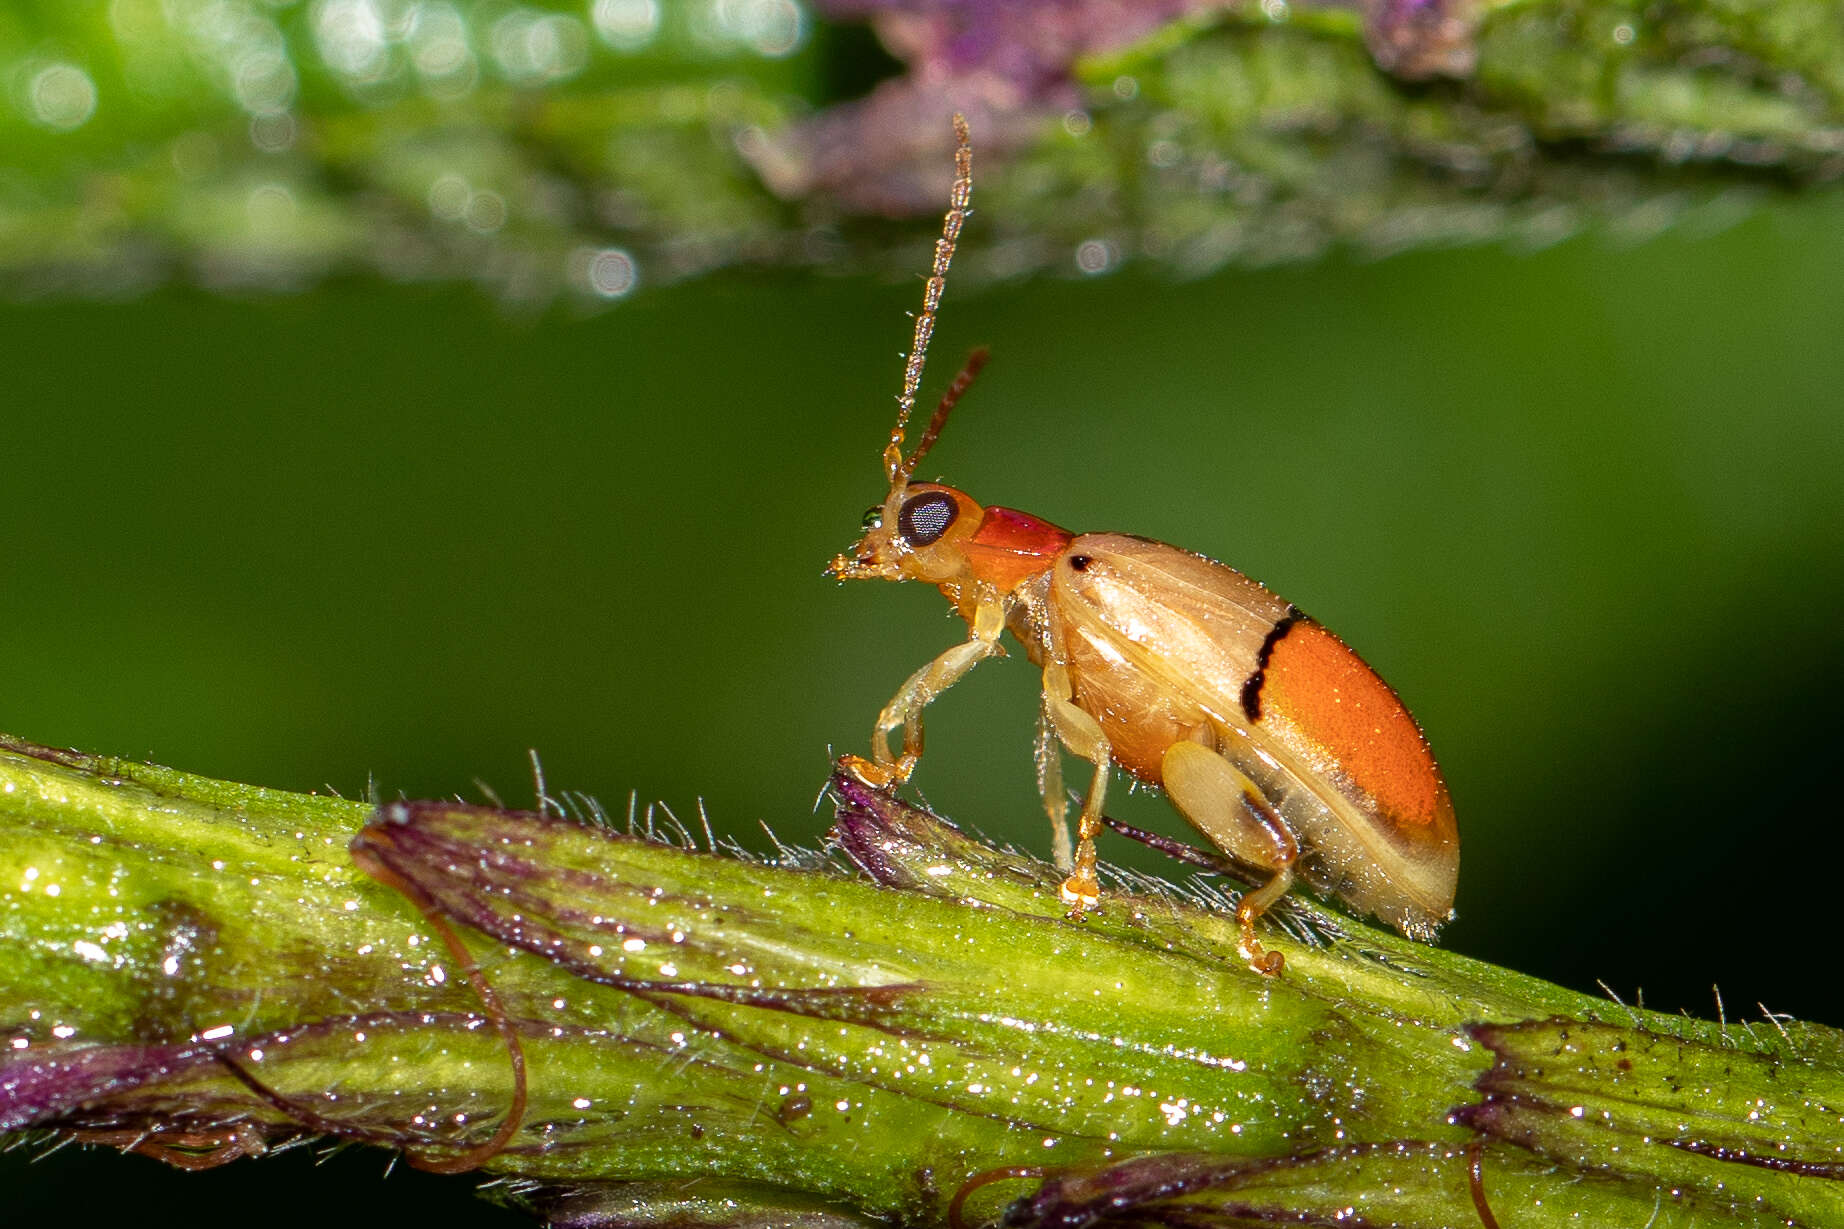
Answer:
x=897 y=469
x=939 y=419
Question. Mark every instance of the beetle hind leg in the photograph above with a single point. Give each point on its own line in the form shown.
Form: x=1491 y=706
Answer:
x=1231 y=810
x=1253 y=904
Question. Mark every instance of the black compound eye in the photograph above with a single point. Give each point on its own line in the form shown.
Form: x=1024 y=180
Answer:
x=925 y=518
x=873 y=517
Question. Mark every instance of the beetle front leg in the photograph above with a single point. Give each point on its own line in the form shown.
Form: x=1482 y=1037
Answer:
x=904 y=711
x=905 y=708
x=1082 y=734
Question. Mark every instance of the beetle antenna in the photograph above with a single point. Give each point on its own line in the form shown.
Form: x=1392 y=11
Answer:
x=958 y=199
x=939 y=419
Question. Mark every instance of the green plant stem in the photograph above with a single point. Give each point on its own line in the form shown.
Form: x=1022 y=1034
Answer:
x=200 y=970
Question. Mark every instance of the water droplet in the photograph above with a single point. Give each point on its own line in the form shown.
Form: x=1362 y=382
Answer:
x=61 y=96
x=772 y=28
x=351 y=37
x=486 y=212
x=448 y=197
x=439 y=51
x=264 y=81
x=608 y=273
x=626 y=25
x=274 y=133
x=1097 y=256
x=532 y=48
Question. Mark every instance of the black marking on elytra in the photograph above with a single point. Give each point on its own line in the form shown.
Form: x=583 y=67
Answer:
x=1251 y=690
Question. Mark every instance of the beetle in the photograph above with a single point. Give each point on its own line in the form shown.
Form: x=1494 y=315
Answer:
x=1264 y=729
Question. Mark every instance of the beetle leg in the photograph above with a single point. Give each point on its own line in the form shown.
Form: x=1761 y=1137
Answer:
x=1082 y=734
x=1049 y=756
x=1231 y=810
x=905 y=708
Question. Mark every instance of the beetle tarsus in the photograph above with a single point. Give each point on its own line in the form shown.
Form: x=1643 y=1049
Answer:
x=1253 y=904
x=1079 y=895
x=1262 y=960
x=875 y=775
x=1082 y=890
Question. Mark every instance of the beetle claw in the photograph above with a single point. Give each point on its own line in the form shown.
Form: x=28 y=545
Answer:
x=1264 y=961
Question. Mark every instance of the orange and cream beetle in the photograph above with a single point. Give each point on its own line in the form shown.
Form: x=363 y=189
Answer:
x=1265 y=731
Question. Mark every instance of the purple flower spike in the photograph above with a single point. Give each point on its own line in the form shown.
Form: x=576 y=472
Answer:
x=1007 y=65
x=1418 y=39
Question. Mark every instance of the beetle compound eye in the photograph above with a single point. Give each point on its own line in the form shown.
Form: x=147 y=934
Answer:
x=873 y=517
x=925 y=518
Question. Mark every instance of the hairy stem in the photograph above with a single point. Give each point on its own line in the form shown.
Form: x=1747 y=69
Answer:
x=199 y=970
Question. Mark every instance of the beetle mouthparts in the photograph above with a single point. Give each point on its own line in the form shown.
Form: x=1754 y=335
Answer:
x=861 y=567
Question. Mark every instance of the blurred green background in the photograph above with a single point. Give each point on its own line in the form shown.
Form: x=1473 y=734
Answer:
x=1582 y=505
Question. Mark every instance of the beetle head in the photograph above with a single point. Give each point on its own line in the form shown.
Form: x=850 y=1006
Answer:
x=914 y=532
x=918 y=533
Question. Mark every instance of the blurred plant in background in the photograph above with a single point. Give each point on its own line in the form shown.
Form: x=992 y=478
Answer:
x=258 y=144
x=586 y=148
